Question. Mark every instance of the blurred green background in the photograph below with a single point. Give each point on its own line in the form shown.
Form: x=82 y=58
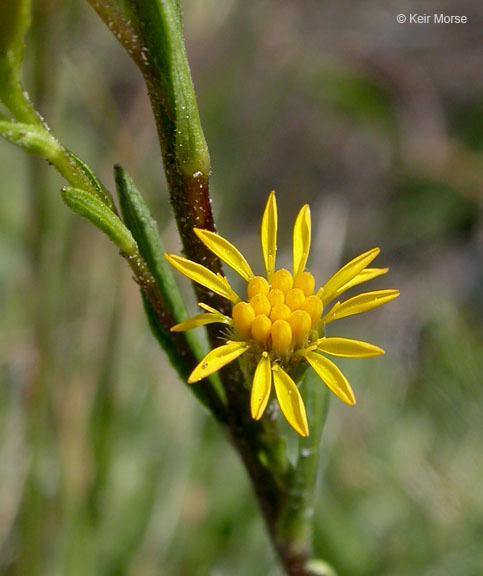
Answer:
x=108 y=466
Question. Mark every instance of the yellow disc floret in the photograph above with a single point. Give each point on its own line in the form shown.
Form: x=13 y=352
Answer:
x=257 y=285
x=261 y=329
x=301 y=325
x=275 y=297
x=306 y=282
x=313 y=306
x=243 y=316
x=294 y=298
x=280 y=312
x=281 y=337
x=283 y=280
x=260 y=304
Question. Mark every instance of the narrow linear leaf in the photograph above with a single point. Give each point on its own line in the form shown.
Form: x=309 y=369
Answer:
x=142 y=226
x=165 y=339
x=88 y=179
x=90 y=207
x=138 y=219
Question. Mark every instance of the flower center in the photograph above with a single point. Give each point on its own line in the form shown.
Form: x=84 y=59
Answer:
x=279 y=316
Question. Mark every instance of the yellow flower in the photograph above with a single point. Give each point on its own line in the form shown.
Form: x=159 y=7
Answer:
x=281 y=320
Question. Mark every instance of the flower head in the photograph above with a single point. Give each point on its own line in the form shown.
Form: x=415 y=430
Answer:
x=278 y=327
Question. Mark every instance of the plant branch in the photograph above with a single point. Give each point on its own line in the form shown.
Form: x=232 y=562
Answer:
x=158 y=27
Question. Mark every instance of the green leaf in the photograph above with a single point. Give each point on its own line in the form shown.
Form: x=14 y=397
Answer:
x=89 y=179
x=138 y=219
x=165 y=338
x=90 y=207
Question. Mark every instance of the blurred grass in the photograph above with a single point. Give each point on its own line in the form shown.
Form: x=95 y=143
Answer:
x=107 y=464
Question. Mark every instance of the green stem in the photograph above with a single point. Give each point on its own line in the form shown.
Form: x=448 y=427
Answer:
x=37 y=139
x=294 y=536
x=20 y=105
x=15 y=17
x=184 y=150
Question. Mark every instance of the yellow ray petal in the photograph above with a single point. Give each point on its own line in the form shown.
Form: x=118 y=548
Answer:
x=290 y=401
x=210 y=309
x=346 y=274
x=216 y=359
x=364 y=276
x=269 y=234
x=201 y=320
x=348 y=348
x=203 y=276
x=360 y=303
x=226 y=251
x=262 y=384
x=331 y=376
x=301 y=240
